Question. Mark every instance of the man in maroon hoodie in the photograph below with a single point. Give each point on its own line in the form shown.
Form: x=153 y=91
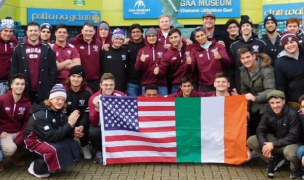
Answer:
x=37 y=62
x=208 y=58
x=7 y=44
x=107 y=85
x=147 y=59
x=104 y=35
x=175 y=59
x=14 y=115
x=88 y=47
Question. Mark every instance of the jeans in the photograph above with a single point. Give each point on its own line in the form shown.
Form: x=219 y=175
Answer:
x=133 y=89
x=300 y=152
x=1 y=155
x=174 y=88
x=161 y=90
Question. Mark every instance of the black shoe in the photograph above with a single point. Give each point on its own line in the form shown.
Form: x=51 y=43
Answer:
x=279 y=161
x=296 y=175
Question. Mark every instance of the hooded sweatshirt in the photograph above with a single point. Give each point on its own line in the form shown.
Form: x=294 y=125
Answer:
x=89 y=56
x=153 y=54
x=108 y=38
x=6 y=51
x=14 y=116
x=194 y=93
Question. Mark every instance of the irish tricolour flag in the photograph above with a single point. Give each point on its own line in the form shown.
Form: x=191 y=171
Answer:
x=201 y=130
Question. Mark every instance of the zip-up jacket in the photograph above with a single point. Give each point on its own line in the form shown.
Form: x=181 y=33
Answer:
x=274 y=49
x=14 y=116
x=6 y=51
x=89 y=55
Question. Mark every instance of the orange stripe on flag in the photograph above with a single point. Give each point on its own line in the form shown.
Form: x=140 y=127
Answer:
x=235 y=135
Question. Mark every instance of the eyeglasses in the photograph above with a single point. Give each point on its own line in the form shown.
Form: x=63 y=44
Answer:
x=136 y=32
x=232 y=27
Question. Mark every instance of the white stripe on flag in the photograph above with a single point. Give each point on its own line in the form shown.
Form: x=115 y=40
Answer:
x=140 y=154
x=141 y=134
x=140 y=103
x=156 y=124
x=139 y=143
x=156 y=113
x=212 y=129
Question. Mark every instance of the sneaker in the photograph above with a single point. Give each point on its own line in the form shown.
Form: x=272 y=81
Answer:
x=17 y=161
x=86 y=152
x=279 y=161
x=31 y=171
x=296 y=175
x=98 y=158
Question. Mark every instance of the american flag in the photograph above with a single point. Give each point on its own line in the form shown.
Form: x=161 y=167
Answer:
x=138 y=129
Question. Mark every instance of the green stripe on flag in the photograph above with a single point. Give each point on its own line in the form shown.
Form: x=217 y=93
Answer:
x=188 y=133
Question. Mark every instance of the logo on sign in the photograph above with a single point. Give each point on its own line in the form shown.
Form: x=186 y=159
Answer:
x=139 y=3
x=139 y=8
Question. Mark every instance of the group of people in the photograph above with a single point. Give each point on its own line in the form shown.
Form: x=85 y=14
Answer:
x=51 y=90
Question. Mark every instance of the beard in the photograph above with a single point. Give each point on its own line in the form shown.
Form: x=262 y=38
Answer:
x=270 y=32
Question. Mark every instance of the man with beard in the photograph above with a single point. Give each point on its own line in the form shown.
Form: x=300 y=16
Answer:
x=46 y=32
x=272 y=38
x=88 y=47
x=7 y=44
x=38 y=63
x=232 y=27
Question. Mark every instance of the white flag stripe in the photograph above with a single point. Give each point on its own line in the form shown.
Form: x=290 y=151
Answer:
x=140 y=154
x=141 y=134
x=138 y=143
x=212 y=127
x=156 y=103
x=156 y=113
x=156 y=124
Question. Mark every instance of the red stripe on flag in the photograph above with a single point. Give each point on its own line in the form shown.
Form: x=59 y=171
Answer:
x=156 y=108
x=155 y=99
x=138 y=138
x=155 y=118
x=140 y=148
x=157 y=129
x=140 y=159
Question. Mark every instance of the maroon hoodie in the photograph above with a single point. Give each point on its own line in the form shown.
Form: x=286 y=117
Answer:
x=89 y=55
x=6 y=51
x=33 y=56
x=161 y=38
x=206 y=65
x=154 y=54
x=176 y=61
x=14 y=116
x=108 y=39
x=194 y=93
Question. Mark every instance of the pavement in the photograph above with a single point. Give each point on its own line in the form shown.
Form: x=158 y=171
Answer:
x=87 y=170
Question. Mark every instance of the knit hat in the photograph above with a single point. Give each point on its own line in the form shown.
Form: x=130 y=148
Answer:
x=8 y=22
x=288 y=36
x=118 y=33
x=57 y=91
x=270 y=17
x=104 y=25
x=209 y=14
x=275 y=93
x=45 y=25
x=245 y=19
x=78 y=69
x=151 y=31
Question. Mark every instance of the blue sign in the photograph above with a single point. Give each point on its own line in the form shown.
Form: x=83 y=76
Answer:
x=151 y=9
x=64 y=16
x=284 y=11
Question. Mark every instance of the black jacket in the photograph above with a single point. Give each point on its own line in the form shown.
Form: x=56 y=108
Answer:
x=257 y=45
x=285 y=128
x=274 y=49
x=48 y=69
x=289 y=75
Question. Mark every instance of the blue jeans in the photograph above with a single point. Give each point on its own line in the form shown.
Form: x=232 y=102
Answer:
x=300 y=152
x=161 y=90
x=174 y=88
x=133 y=89
x=1 y=155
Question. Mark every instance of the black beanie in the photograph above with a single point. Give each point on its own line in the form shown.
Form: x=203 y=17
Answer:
x=78 y=69
x=245 y=19
x=45 y=25
x=270 y=17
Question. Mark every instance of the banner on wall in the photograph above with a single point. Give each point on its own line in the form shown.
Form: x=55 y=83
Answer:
x=64 y=16
x=284 y=11
x=147 y=9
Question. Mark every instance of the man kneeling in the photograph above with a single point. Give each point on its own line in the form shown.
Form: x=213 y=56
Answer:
x=278 y=133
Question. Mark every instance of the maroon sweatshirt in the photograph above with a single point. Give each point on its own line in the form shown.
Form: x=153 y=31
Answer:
x=194 y=93
x=14 y=116
x=154 y=55
x=161 y=38
x=6 y=51
x=176 y=61
x=108 y=39
x=206 y=65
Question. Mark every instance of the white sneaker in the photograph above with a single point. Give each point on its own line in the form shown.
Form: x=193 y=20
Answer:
x=86 y=152
x=31 y=171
